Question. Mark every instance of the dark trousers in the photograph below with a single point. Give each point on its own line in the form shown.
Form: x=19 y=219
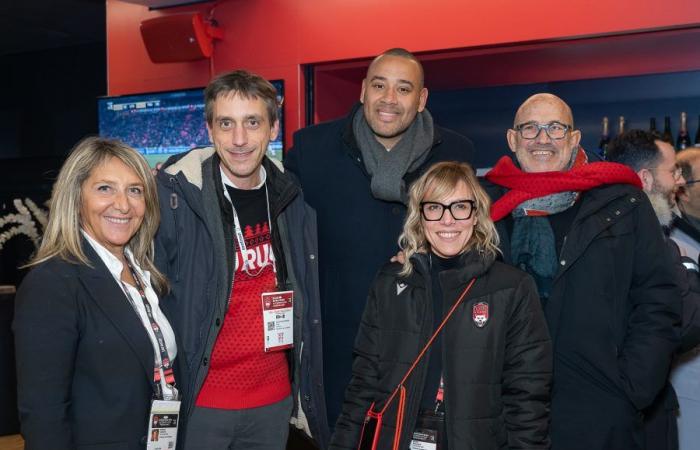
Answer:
x=263 y=428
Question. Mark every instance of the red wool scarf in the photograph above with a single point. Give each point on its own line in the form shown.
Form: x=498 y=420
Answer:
x=525 y=186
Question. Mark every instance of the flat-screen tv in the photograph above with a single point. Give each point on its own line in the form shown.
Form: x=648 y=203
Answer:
x=161 y=124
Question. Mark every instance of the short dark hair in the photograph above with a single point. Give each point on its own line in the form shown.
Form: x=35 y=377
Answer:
x=243 y=83
x=636 y=149
x=403 y=53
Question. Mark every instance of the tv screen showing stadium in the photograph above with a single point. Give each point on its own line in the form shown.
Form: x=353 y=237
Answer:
x=165 y=123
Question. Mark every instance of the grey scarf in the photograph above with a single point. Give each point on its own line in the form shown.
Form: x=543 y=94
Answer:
x=533 y=246
x=387 y=168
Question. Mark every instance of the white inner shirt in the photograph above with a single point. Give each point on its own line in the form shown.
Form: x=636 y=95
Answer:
x=226 y=181
x=115 y=267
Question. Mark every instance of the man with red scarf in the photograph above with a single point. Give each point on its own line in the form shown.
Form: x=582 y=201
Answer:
x=588 y=235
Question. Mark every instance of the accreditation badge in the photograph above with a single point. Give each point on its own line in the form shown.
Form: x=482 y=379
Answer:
x=278 y=320
x=162 y=425
x=424 y=439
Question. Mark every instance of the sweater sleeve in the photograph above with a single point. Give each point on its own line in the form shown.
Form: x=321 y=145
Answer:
x=527 y=374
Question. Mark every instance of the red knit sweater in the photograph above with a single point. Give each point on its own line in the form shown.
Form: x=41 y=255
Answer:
x=241 y=375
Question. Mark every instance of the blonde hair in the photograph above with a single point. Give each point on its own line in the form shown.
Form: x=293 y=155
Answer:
x=438 y=182
x=62 y=237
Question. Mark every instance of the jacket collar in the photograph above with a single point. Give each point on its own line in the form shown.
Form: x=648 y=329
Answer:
x=472 y=264
x=199 y=161
x=190 y=164
x=104 y=291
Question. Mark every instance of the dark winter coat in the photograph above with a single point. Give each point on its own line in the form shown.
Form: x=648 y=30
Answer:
x=497 y=378
x=613 y=314
x=356 y=232
x=192 y=250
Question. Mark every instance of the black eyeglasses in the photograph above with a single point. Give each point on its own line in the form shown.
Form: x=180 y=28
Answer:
x=460 y=210
x=687 y=182
x=555 y=130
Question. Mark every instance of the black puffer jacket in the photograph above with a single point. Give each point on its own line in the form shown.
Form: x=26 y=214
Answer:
x=497 y=378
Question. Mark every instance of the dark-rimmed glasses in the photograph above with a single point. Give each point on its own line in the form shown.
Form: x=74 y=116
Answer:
x=460 y=210
x=555 y=130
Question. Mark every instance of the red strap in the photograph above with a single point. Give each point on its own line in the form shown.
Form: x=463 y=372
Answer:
x=399 y=417
x=425 y=349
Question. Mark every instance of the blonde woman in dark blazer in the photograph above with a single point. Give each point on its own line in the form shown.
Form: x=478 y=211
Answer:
x=85 y=343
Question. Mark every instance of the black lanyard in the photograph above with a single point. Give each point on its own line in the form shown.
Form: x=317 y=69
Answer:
x=165 y=363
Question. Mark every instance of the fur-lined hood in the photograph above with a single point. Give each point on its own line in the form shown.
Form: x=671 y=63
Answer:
x=190 y=164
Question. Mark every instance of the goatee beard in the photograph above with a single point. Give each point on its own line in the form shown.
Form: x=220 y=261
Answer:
x=662 y=207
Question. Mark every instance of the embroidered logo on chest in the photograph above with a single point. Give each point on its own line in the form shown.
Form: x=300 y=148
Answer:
x=480 y=314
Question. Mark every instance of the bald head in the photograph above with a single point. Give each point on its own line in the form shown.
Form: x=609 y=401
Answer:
x=400 y=53
x=543 y=153
x=544 y=101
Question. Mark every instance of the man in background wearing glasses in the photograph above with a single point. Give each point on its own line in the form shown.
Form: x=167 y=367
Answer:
x=589 y=237
x=686 y=227
x=685 y=231
x=655 y=163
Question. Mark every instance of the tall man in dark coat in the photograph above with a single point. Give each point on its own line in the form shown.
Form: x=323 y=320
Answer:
x=355 y=172
x=589 y=237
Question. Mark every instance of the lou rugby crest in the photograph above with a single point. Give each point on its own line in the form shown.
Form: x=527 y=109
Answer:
x=480 y=314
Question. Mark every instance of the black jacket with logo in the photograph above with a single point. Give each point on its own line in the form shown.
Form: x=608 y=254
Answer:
x=497 y=377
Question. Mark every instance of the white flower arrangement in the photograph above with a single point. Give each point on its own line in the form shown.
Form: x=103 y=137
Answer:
x=24 y=222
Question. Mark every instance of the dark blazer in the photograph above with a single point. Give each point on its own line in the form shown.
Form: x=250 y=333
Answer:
x=84 y=360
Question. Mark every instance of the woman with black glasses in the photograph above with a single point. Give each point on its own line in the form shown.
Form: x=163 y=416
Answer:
x=461 y=335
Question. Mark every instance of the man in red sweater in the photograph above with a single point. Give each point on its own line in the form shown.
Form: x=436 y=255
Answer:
x=238 y=247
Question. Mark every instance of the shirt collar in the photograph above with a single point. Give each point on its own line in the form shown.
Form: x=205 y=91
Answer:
x=114 y=265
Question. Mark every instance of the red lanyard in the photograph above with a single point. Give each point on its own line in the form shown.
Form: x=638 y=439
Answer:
x=165 y=363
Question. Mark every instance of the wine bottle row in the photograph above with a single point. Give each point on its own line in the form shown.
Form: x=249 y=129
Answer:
x=681 y=142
